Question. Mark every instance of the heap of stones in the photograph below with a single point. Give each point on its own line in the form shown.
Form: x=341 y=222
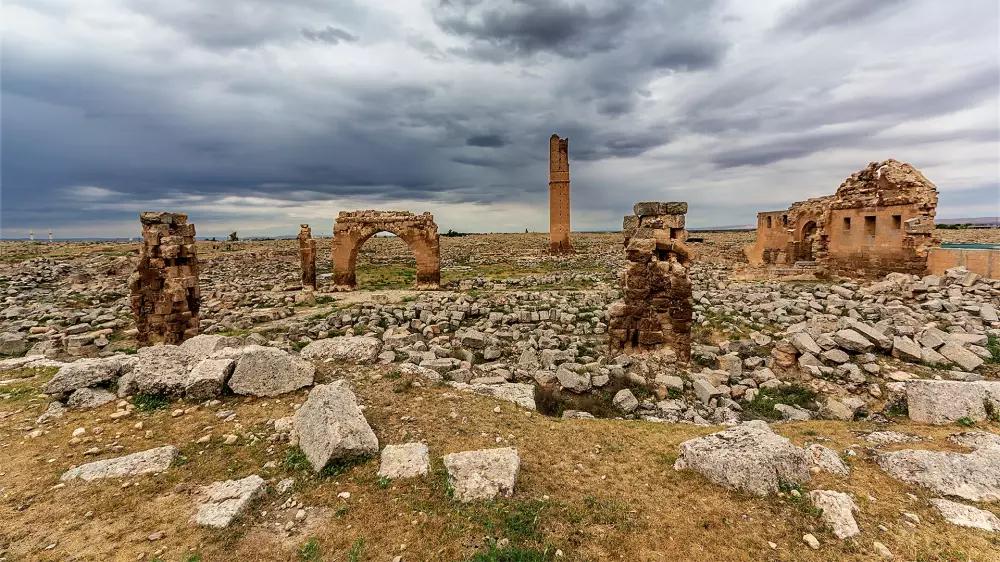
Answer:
x=165 y=293
x=656 y=310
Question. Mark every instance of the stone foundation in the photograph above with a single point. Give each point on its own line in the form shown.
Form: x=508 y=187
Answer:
x=307 y=256
x=657 y=308
x=165 y=295
x=419 y=232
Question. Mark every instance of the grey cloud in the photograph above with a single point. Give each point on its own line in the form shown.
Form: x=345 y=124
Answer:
x=813 y=15
x=328 y=34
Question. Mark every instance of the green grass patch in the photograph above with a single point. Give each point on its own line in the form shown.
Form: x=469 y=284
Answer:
x=993 y=345
x=512 y=554
x=150 y=402
x=295 y=460
x=762 y=405
x=309 y=552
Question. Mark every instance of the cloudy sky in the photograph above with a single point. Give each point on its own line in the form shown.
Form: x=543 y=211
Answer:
x=256 y=115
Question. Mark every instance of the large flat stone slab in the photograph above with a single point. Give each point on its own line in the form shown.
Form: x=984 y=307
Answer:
x=748 y=457
x=966 y=515
x=144 y=462
x=519 y=393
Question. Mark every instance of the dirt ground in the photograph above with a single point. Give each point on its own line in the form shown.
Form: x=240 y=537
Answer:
x=591 y=489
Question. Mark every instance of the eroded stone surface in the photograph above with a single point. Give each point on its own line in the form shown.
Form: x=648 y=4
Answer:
x=748 y=457
x=86 y=372
x=519 y=393
x=838 y=512
x=966 y=515
x=268 y=371
x=225 y=501
x=354 y=349
x=936 y=401
x=330 y=426
x=408 y=460
x=972 y=476
x=484 y=474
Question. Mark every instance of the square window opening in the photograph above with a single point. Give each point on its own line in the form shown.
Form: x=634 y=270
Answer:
x=870 y=225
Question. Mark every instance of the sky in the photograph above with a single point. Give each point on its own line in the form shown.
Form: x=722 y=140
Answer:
x=258 y=115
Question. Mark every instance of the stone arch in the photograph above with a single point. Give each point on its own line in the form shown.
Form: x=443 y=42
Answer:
x=353 y=228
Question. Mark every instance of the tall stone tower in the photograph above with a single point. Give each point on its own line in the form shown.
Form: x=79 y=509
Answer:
x=559 y=195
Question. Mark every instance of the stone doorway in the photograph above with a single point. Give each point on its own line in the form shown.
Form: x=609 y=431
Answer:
x=808 y=239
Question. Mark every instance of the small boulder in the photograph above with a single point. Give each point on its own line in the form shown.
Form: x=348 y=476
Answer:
x=966 y=515
x=85 y=398
x=208 y=378
x=484 y=474
x=159 y=369
x=84 y=373
x=625 y=401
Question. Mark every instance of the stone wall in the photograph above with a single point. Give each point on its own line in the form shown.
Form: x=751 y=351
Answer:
x=165 y=295
x=559 y=195
x=985 y=262
x=307 y=256
x=353 y=228
x=656 y=310
x=880 y=220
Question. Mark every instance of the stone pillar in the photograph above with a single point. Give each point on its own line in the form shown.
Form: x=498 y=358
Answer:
x=307 y=255
x=165 y=294
x=559 y=195
x=656 y=310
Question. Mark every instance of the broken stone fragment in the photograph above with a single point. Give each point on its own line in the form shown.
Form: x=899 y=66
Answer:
x=330 y=426
x=519 y=393
x=225 y=501
x=484 y=474
x=84 y=373
x=85 y=398
x=972 y=476
x=408 y=460
x=144 y=462
x=208 y=378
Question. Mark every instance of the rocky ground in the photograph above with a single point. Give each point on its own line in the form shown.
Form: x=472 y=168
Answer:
x=487 y=421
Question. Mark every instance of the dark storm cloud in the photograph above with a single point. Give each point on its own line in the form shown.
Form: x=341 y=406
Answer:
x=328 y=34
x=812 y=15
x=491 y=140
x=570 y=29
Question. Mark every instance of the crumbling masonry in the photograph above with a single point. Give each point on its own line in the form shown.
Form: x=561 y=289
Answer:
x=307 y=255
x=559 y=195
x=353 y=228
x=880 y=220
x=165 y=295
x=657 y=306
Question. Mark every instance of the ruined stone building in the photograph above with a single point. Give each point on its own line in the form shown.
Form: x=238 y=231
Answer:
x=307 y=256
x=165 y=297
x=880 y=220
x=656 y=310
x=559 y=195
x=353 y=228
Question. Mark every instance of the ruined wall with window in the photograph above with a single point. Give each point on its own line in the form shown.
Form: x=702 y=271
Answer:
x=880 y=220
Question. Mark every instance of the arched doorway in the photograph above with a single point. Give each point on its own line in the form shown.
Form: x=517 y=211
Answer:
x=353 y=229
x=808 y=238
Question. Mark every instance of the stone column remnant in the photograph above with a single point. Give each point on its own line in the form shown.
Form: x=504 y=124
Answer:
x=559 y=195
x=307 y=255
x=656 y=310
x=165 y=294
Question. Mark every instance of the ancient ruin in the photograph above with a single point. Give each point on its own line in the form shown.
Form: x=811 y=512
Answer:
x=307 y=255
x=880 y=220
x=165 y=295
x=657 y=306
x=559 y=195
x=419 y=232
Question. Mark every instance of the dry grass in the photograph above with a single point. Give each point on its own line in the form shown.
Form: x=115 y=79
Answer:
x=597 y=490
